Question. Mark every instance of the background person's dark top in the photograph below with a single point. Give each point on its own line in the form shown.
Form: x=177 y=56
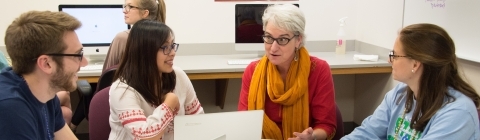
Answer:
x=249 y=32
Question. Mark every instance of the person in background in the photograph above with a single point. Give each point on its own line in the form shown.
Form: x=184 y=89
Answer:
x=134 y=11
x=149 y=91
x=46 y=55
x=432 y=101
x=249 y=31
x=66 y=106
x=3 y=61
x=293 y=88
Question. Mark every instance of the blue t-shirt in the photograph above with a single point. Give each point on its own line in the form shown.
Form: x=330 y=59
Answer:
x=22 y=115
x=457 y=120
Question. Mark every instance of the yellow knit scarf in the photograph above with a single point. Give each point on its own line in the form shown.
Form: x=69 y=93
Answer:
x=293 y=96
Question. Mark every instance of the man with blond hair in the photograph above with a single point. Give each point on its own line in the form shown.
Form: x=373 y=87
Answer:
x=46 y=55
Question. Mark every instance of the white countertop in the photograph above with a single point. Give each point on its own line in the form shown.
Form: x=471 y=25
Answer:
x=218 y=63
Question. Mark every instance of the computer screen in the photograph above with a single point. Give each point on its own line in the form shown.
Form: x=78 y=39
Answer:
x=249 y=27
x=100 y=25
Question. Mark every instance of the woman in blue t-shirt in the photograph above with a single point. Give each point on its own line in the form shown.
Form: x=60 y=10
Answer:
x=432 y=101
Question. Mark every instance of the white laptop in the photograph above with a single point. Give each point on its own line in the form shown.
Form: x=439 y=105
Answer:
x=240 y=125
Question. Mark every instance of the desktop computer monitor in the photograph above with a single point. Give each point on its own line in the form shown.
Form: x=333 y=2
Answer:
x=100 y=24
x=249 y=27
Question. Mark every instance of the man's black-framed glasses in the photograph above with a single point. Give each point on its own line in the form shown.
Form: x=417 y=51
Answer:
x=280 y=41
x=127 y=8
x=78 y=55
x=168 y=49
x=392 y=56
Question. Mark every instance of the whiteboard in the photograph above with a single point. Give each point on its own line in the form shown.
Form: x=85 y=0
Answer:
x=461 y=19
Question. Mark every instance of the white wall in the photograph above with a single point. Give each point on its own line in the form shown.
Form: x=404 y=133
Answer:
x=13 y=9
x=378 y=21
x=459 y=17
x=206 y=21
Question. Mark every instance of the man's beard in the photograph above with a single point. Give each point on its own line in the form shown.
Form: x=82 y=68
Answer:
x=62 y=81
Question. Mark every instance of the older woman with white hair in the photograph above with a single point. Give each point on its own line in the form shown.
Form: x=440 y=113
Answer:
x=293 y=88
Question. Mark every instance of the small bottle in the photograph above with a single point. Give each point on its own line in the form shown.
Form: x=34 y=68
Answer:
x=341 y=43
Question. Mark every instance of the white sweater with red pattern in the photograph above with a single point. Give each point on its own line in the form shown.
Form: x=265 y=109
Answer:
x=131 y=117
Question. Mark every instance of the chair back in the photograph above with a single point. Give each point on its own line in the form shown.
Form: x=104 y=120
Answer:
x=105 y=80
x=98 y=124
x=339 y=132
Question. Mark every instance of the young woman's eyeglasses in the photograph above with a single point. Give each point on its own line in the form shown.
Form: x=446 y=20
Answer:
x=127 y=8
x=168 y=49
x=280 y=41
x=392 y=56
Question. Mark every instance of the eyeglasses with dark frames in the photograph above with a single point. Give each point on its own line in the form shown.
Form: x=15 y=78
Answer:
x=280 y=41
x=127 y=8
x=168 y=49
x=392 y=56
x=79 y=55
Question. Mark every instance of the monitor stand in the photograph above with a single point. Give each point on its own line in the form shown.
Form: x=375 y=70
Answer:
x=260 y=54
x=96 y=59
x=222 y=137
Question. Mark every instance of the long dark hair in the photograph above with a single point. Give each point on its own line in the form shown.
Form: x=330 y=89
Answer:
x=432 y=46
x=138 y=66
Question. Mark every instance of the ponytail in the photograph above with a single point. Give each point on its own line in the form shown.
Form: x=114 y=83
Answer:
x=161 y=11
